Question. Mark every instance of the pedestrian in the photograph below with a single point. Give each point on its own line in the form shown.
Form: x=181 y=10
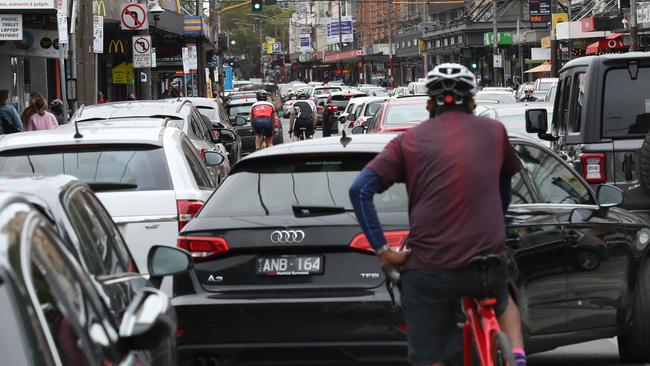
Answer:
x=131 y=95
x=56 y=107
x=42 y=119
x=30 y=110
x=9 y=115
x=100 y=98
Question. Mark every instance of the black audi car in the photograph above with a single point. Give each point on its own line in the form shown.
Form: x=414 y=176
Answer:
x=283 y=272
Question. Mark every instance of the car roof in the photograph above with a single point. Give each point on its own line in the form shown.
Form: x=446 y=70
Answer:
x=46 y=188
x=613 y=57
x=416 y=99
x=507 y=109
x=199 y=101
x=494 y=92
x=94 y=132
x=138 y=108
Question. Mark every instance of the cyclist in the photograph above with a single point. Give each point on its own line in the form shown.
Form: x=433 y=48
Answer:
x=262 y=120
x=528 y=94
x=303 y=115
x=456 y=167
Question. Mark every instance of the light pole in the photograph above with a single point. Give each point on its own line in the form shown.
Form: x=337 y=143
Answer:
x=495 y=43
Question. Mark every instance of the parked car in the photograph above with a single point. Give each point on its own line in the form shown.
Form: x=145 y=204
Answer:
x=150 y=178
x=496 y=95
x=601 y=123
x=545 y=83
x=56 y=312
x=285 y=266
x=183 y=114
x=417 y=88
x=397 y=115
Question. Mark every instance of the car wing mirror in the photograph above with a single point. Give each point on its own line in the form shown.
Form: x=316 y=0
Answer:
x=213 y=158
x=352 y=117
x=240 y=121
x=148 y=321
x=536 y=120
x=609 y=196
x=358 y=130
x=225 y=135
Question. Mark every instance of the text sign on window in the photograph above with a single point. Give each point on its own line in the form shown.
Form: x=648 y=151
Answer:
x=11 y=27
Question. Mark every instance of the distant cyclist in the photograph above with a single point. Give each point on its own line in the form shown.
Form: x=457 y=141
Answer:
x=528 y=94
x=303 y=116
x=457 y=169
x=262 y=120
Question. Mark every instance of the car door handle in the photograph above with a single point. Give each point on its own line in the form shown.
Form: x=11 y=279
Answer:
x=628 y=166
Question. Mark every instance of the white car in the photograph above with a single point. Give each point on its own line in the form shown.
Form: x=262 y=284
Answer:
x=150 y=178
x=357 y=111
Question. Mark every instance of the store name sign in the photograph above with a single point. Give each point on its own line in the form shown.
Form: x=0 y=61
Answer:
x=11 y=27
x=27 y=4
x=503 y=38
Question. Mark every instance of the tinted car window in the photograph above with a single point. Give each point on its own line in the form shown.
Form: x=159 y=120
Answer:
x=209 y=112
x=200 y=176
x=240 y=110
x=628 y=112
x=142 y=168
x=520 y=192
x=405 y=113
x=63 y=302
x=372 y=108
x=554 y=182
x=273 y=187
x=577 y=101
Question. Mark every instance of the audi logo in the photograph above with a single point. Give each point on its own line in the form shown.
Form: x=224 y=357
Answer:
x=287 y=236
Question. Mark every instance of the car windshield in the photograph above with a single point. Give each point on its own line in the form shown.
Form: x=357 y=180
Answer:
x=141 y=168
x=372 y=108
x=321 y=91
x=500 y=97
x=240 y=110
x=516 y=123
x=271 y=187
x=626 y=113
x=406 y=113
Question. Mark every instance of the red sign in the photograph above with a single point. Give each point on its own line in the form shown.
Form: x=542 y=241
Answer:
x=588 y=24
x=343 y=55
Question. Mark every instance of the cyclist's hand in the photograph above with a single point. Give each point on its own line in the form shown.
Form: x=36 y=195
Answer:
x=394 y=259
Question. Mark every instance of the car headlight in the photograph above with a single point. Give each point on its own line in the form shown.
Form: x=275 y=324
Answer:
x=642 y=239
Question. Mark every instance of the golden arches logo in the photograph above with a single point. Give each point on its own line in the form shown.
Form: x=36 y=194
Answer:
x=116 y=46
x=101 y=8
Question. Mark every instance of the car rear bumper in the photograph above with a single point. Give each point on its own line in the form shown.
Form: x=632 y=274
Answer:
x=221 y=323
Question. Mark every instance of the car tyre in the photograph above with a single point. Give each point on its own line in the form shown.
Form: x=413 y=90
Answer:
x=644 y=162
x=633 y=346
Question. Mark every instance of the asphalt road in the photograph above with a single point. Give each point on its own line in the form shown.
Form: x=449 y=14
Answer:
x=603 y=352
x=285 y=128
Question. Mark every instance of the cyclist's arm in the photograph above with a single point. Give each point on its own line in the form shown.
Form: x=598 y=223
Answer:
x=362 y=193
x=292 y=119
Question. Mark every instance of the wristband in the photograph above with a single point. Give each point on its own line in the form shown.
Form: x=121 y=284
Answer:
x=381 y=250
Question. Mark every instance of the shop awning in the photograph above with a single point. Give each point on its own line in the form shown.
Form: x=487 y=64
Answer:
x=611 y=43
x=545 y=67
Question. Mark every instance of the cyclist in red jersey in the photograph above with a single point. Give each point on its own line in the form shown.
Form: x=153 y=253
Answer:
x=457 y=169
x=262 y=120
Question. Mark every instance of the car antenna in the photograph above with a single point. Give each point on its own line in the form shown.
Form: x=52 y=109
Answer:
x=345 y=140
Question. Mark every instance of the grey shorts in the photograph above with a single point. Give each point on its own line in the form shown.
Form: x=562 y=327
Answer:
x=430 y=301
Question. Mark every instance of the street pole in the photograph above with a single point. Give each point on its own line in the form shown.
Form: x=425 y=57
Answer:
x=144 y=86
x=495 y=43
x=391 y=70
x=555 y=63
x=634 y=39
x=340 y=67
x=520 y=48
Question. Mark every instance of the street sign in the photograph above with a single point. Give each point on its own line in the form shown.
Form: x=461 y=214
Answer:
x=134 y=17
x=192 y=58
x=141 y=51
x=305 y=42
x=11 y=27
x=98 y=34
x=62 y=21
x=186 y=60
x=276 y=47
x=153 y=58
x=498 y=61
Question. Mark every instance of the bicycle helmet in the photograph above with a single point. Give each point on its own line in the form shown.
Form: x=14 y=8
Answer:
x=262 y=95
x=56 y=106
x=301 y=94
x=529 y=89
x=451 y=84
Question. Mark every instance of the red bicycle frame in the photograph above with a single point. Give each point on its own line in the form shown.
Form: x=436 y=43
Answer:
x=481 y=325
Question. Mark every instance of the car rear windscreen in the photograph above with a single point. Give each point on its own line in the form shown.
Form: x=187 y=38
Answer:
x=406 y=113
x=114 y=167
x=209 y=112
x=628 y=112
x=271 y=186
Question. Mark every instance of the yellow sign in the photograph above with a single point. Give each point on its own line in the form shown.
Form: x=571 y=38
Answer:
x=559 y=18
x=123 y=74
x=546 y=42
x=116 y=46
x=268 y=46
x=100 y=8
x=422 y=47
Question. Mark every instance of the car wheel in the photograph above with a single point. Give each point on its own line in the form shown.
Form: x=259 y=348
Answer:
x=644 y=162
x=633 y=346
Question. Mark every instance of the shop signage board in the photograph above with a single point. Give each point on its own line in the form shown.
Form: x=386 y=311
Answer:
x=643 y=13
x=141 y=51
x=503 y=38
x=540 y=11
x=27 y=4
x=134 y=17
x=11 y=27
x=498 y=61
x=346 y=30
x=35 y=42
x=305 y=43
x=98 y=34
x=123 y=74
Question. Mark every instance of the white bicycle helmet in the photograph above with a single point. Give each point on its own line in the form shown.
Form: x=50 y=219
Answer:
x=451 y=80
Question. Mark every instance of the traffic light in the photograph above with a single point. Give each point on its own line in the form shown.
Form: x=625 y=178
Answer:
x=474 y=65
x=257 y=5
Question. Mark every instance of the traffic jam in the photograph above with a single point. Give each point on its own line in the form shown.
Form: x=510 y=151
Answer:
x=182 y=231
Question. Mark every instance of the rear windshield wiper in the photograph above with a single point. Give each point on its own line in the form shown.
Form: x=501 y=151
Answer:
x=110 y=186
x=310 y=211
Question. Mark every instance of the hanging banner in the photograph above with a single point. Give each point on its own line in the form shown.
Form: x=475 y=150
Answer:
x=192 y=58
x=346 y=30
x=11 y=27
x=98 y=34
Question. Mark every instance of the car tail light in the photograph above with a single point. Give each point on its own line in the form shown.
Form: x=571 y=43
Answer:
x=202 y=248
x=180 y=331
x=187 y=209
x=395 y=239
x=332 y=108
x=593 y=168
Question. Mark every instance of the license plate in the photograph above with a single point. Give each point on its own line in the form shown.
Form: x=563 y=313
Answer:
x=293 y=265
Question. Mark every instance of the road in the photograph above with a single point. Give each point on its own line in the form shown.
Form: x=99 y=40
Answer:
x=285 y=128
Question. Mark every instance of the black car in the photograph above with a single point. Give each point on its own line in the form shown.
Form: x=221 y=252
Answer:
x=334 y=106
x=282 y=268
x=240 y=117
x=55 y=312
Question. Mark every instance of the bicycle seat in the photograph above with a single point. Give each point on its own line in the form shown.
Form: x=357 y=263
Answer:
x=485 y=260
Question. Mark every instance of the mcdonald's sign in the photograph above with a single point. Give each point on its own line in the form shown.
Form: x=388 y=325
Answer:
x=100 y=8
x=116 y=46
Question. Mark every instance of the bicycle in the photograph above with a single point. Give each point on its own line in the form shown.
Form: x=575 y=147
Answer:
x=303 y=134
x=481 y=327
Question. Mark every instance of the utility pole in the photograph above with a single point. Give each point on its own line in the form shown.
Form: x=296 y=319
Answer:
x=555 y=63
x=340 y=67
x=391 y=70
x=634 y=39
x=495 y=43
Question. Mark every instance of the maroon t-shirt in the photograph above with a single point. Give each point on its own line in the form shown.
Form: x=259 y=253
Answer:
x=451 y=165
